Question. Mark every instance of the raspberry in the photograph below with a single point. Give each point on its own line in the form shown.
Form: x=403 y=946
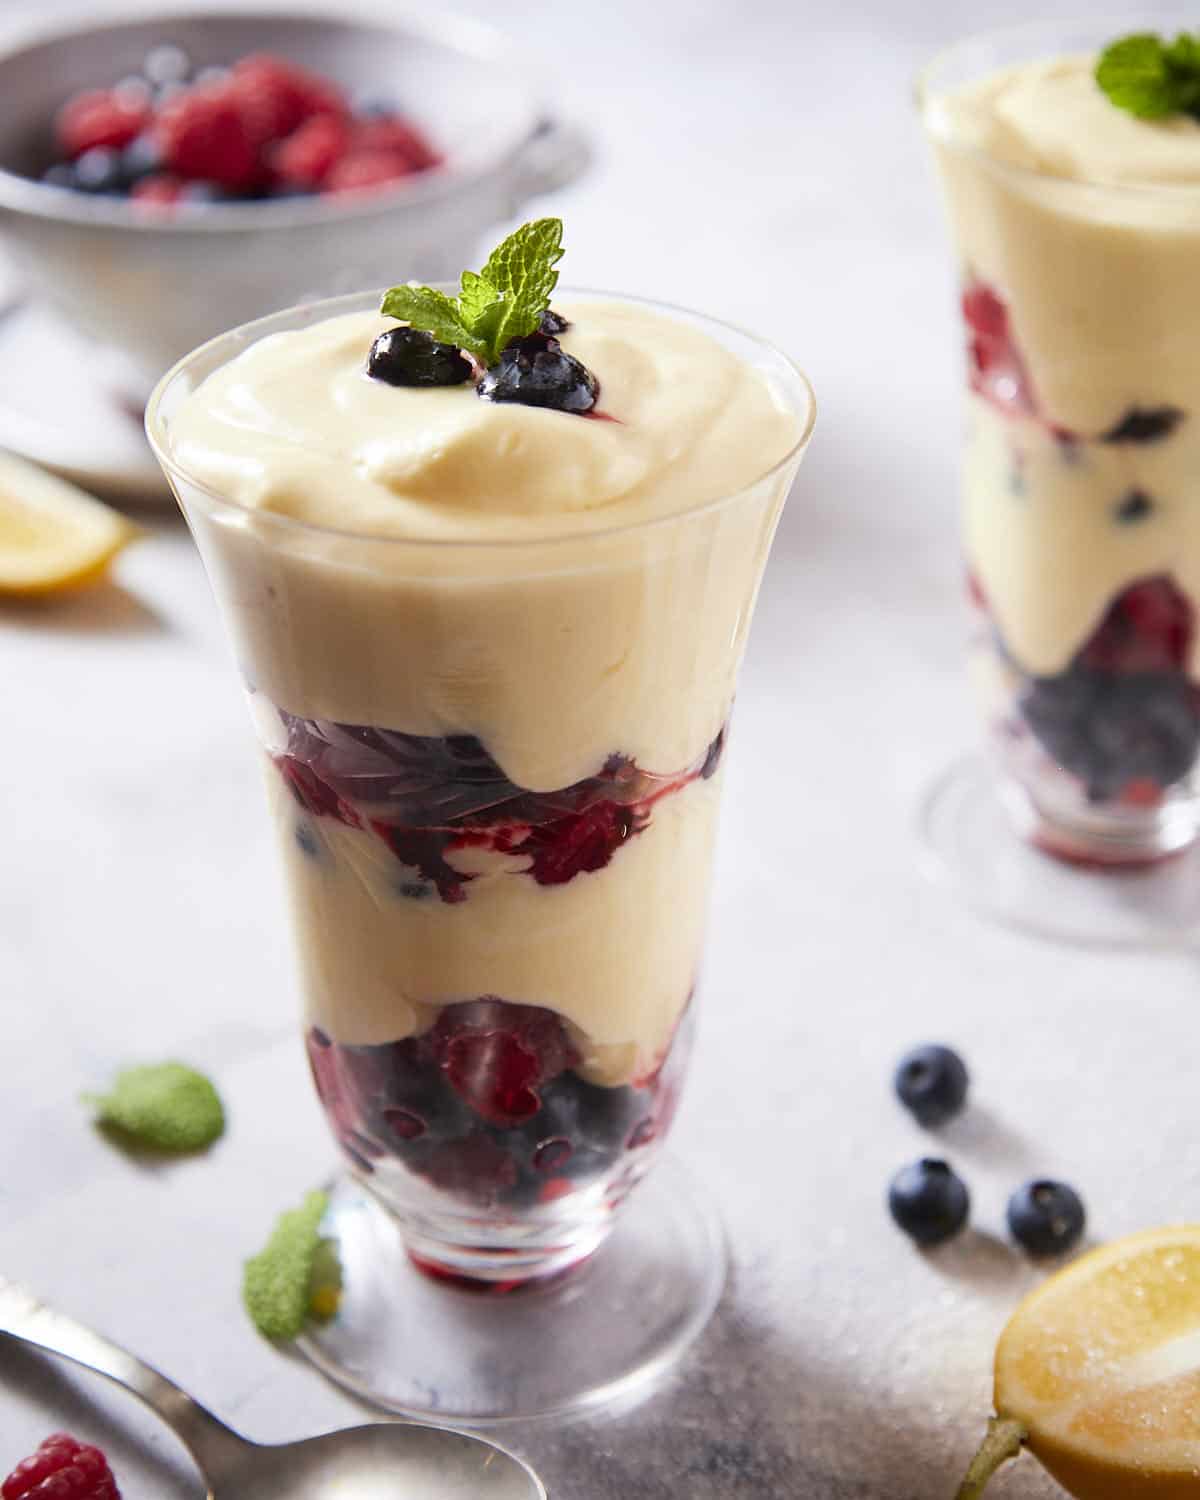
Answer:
x=391 y=133
x=997 y=370
x=362 y=171
x=313 y=794
x=203 y=133
x=496 y=1056
x=310 y=153
x=159 y=189
x=100 y=117
x=62 y=1469
x=1147 y=628
x=579 y=842
x=277 y=96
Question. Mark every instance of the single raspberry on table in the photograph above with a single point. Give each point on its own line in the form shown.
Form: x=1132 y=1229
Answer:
x=62 y=1469
x=203 y=132
x=307 y=156
x=276 y=97
x=100 y=117
x=360 y=171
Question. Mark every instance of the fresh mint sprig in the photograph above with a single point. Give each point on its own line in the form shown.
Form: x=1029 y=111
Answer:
x=503 y=301
x=1150 y=77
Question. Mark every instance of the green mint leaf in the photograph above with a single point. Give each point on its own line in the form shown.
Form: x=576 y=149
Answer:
x=165 y=1106
x=482 y=307
x=278 y=1283
x=1151 y=78
x=424 y=307
x=503 y=301
x=521 y=268
x=477 y=296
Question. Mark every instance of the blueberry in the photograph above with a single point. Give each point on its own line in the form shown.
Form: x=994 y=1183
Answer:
x=1136 y=506
x=931 y=1081
x=1113 y=728
x=140 y=158
x=551 y=323
x=166 y=64
x=200 y=192
x=60 y=175
x=307 y=840
x=411 y=357
x=929 y=1201
x=99 y=171
x=535 y=371
x=290 y=190
x=134 y=91
x=1046 y=1218
x=1144 y=425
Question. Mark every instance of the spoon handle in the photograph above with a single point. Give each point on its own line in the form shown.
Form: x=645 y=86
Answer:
x=23 y=1316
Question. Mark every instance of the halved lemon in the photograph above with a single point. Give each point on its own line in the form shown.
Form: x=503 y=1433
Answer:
x=1098 y=1374
x=52 y=535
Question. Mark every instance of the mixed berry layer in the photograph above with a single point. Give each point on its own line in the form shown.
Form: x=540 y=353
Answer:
x=1124 y=717
x=427 y=798
x=997 y=371
x=487 y=1106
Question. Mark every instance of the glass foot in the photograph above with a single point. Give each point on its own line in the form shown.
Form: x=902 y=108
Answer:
x=431 y=1349
x=981 y=839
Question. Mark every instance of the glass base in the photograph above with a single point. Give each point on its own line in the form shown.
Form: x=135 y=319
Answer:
x=988 y=842
x=480 y=1356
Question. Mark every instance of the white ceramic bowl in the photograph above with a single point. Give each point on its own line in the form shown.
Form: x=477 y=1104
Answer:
x=153 y=290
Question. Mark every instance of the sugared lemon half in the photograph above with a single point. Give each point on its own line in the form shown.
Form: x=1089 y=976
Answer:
x=1098 y=1373
x=52 y=535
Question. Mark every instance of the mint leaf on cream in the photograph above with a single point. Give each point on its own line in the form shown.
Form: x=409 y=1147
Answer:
x=1152 y=78
x=503 y=301
x=423 y=307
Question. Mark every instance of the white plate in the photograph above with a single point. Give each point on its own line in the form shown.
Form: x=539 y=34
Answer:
x=55 y=410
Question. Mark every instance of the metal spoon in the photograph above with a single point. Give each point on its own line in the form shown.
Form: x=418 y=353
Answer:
x=404 y=1460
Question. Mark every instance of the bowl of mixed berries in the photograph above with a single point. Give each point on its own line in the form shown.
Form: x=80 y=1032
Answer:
x=165 y=177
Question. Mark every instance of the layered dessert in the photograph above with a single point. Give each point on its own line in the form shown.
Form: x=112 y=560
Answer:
x=490 y=616
x=1078 y=227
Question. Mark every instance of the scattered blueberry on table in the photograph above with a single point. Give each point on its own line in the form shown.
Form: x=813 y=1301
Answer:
x=929 y=1201
x=1046 y=1217
x=931 y=1082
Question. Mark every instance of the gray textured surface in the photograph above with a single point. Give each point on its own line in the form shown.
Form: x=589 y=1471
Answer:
x=759 y=161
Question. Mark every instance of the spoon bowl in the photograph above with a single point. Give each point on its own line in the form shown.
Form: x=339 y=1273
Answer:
x=405 y=1460
x=384 y=1459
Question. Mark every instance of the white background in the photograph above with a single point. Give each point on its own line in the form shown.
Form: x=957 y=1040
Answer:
x=759 y=161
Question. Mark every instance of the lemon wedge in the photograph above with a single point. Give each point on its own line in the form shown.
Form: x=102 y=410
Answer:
x=52 y=535
x=1098 y=1374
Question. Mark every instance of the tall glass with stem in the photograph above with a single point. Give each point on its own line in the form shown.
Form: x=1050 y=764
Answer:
x=495 y=769
x=1080 y=302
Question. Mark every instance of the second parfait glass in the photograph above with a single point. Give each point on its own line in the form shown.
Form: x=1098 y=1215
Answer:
x=494 y=770
x=1081 y=321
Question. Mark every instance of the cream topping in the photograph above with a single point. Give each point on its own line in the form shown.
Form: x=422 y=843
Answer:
x=295 y=426
x=1052 y=116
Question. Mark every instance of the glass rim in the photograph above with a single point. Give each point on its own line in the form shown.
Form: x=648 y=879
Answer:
x=159 y=438
x=1118 y=23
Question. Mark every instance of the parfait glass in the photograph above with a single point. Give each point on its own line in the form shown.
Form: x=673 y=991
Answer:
x=1080 y=308
x=494 y=769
